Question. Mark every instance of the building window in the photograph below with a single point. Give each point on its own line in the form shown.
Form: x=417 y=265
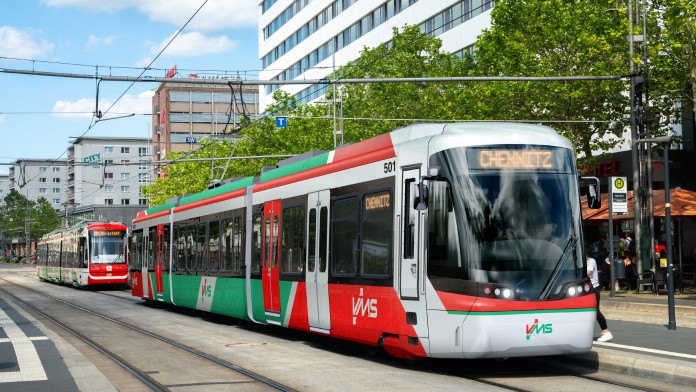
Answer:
x=125 y=188
x=142 y=202
x=142 y=151
x=108 y=149
x=108 y=161
x=109 y=201
x=108 y=188
x=108 y=175
x=56 y=201
x=125 y=176
x=56 y=180
x=125 y=161
x=125 y=202
x=142 y=177
x=56 y=169
x=42 y=190
x=125 y=150
x=56 y=191
x=42 y=179
x=42 y=169
x=142 y=165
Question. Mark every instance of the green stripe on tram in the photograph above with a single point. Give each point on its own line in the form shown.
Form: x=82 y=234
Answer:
x=161 y=207
x=232 y=186
x=296 y=167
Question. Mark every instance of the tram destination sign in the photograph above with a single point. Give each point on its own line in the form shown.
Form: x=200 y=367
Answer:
x=516 y=158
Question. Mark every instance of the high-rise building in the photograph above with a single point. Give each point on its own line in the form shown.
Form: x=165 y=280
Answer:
x=184 y=114
x=303 y=39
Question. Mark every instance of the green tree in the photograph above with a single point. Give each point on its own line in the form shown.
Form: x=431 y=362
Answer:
x=17 y=210
x=44 y=218
x=556 y=38
x=672 y=50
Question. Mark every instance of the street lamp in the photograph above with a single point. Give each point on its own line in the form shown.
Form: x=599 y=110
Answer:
x=666 y=141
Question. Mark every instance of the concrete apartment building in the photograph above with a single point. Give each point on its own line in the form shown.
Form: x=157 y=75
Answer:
x=4 y=186
x=184 y=114
x=34 y=178
x=108 y=171
x=303 y=39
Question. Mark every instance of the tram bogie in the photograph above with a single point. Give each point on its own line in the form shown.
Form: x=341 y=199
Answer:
x=440 y=240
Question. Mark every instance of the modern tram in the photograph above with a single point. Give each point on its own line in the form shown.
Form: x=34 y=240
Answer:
x=435 y=240
x=85 y=255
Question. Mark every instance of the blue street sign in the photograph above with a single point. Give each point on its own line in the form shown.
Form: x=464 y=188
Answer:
x=281 y=122
x=191 y=140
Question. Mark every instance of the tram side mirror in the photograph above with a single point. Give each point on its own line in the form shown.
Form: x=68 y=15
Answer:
x=423 y=193
x=594 y=199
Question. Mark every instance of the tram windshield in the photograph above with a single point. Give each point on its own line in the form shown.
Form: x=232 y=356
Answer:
x=107 y=247
x=507 y=216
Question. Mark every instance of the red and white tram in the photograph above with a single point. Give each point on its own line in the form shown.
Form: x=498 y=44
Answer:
x=434 y=240
x=84 y=255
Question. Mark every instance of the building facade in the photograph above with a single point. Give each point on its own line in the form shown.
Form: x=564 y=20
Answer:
x=4 y=186
x=108 y=171
x=303 y=39
x=184 y=114
x=35 y=178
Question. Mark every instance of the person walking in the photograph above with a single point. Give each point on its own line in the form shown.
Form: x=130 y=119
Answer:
x=594 y=279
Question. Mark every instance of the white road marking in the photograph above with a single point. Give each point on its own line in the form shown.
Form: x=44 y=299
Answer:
x=647 y=350
x=33 y=338
x=30 y=367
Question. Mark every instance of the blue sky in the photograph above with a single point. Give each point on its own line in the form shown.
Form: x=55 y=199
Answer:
x=39 y=114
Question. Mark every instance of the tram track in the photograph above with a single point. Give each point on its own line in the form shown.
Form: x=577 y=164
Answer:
x=516 y=374
x=142 y=375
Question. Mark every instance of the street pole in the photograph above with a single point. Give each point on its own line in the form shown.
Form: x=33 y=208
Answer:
x=666 y=141
x=672 y=324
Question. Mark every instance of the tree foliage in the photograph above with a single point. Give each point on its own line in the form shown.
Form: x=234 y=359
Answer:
x=16 y=210
x=526 y=38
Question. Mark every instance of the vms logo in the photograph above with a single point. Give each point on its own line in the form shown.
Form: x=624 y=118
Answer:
x=206 y=290
x=537 y=328
x=364 y=307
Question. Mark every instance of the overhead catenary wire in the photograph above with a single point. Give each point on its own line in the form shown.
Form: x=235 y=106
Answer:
x=97 y=77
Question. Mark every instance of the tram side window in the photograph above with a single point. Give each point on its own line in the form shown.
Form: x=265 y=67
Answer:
x=256 y=244
x=201 y=248
x=442 y=234
x=150 y=261
x=344 y=237
x=233 y=244
x=214 y=245
x=377 y=227
x=135 y=248
x=292 y=237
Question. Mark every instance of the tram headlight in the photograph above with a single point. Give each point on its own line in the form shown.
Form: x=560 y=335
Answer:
x=571 y=291
x=587 y=287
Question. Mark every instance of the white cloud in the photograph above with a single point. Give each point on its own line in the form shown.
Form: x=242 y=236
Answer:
x=195 y=44
x=215 y=14
x=144 y=62
x=84 y=107
x=93 y=40
x=93 y=6
x=22 y=44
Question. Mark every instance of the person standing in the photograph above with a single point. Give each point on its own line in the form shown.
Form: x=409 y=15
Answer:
x=594 y=279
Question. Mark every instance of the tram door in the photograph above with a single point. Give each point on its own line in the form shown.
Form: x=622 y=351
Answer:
x=159 y=258
x=317 y=276
x=270 y=274
x=409 y=268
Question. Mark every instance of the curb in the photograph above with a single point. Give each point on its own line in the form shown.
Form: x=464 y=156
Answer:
x=667 y=371
x=685 y=311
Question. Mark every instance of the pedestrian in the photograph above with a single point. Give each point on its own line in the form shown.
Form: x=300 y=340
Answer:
x=594 y=278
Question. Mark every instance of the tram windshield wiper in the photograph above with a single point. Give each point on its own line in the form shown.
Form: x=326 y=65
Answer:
x=560 y=266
